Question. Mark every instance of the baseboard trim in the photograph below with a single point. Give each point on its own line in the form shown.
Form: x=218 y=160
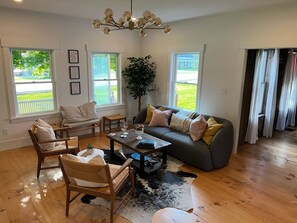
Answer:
x=15 y=143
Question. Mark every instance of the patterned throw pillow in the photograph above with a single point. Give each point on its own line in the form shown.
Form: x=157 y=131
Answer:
x=160 y=118
x=181 y=121
x=211 y=130
x=198 y=127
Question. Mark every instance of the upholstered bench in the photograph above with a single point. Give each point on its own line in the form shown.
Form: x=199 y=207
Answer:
x=80 y=118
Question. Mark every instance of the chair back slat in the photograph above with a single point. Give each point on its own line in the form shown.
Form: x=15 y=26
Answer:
x=86 y=171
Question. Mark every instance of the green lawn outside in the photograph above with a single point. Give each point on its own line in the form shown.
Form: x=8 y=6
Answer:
x=186 y=94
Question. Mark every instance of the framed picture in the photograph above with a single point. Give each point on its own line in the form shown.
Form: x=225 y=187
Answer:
x=75 y=88
x=74 y=72
x=73 y=56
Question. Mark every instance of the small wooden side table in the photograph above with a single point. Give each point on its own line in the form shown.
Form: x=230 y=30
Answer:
x=111 y=120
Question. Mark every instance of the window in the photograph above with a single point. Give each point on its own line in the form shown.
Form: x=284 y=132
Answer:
x=32 y=82
x=105 y=78
x=185 y=82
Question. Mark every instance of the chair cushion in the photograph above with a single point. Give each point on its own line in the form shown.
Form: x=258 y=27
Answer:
x=72 y=144
x=80 y=113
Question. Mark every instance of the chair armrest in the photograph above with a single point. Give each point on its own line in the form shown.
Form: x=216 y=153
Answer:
x=54 y=140
x=124 y=166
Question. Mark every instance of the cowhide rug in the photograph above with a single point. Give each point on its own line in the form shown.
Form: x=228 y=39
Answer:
x=168 y=187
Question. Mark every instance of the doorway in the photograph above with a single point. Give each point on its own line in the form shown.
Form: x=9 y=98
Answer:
x=248 y=89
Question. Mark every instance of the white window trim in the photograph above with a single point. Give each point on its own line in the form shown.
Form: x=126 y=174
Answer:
x=105 y=50
x=173 y=53
x=7 y=45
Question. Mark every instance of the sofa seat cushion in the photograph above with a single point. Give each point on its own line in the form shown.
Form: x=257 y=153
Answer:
x=156 y=131
x=185 y=149
x=81 y=124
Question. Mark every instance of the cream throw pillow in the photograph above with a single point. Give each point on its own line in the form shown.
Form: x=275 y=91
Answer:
x=198 y=127
x=44 y=132
x=80 y=113
x=95 y=160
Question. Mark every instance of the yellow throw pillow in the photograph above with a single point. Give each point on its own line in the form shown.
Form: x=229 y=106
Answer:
x=212 y=128
x=149 y=113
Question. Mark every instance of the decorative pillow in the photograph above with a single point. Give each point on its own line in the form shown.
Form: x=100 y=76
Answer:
x=81 y=113
x=95 y=160
x=186 y=113
x=44 y=132
x=160 y=118
x=149 y=113
x=198 y=127
x=180 y=123
x=211 y=130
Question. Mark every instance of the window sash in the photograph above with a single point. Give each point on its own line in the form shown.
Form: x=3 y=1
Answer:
x=173 y=100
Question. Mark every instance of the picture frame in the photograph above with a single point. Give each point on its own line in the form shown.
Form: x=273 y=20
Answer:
x=75 y=88
x=73 y=56
x=74 y=72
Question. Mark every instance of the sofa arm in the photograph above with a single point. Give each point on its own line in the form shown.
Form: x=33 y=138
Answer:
x=222 y=145
x=140 y=117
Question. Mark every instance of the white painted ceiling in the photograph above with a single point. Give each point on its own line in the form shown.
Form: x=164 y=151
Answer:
x=167 y=10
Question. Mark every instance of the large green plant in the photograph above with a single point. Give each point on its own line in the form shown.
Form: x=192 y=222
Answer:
x=139 y=76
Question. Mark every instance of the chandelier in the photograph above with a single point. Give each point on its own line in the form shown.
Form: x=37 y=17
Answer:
x=148 y=21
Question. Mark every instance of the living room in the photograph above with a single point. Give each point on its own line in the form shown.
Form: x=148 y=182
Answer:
x=224 y=38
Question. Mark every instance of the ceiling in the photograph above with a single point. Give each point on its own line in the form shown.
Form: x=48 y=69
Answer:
x=167 y=10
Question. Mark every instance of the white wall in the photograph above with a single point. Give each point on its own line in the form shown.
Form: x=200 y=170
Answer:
x=225 y=37
x=70 y=33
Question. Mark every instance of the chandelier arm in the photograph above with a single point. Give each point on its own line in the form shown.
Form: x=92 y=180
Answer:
x=153 y=28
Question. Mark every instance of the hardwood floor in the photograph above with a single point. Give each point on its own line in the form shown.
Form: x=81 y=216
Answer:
x=258 y=185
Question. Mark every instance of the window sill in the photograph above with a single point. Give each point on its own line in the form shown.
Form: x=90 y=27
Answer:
x=110 y=107
x=26 y=118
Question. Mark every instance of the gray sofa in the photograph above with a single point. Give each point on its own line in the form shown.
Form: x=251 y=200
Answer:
x=197 y=154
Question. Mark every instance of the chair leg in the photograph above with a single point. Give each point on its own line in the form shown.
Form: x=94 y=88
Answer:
x=67 y=202
x=39 y=166
x=111 y=209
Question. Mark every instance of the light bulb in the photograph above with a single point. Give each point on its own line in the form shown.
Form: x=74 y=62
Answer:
x=158 y=21
x=166 y=29
x=108 y=12
x=106 y=30
x=96 y=24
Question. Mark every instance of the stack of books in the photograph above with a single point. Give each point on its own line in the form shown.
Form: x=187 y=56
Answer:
x=146 y=144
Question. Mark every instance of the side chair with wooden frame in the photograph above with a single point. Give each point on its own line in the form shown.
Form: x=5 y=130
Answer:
x=63 y=146
x=111 y=178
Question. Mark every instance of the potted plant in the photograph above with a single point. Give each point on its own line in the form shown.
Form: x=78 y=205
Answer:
x=139 y=76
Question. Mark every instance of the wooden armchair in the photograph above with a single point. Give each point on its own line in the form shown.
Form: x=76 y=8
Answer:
x=61 y=146
x=112 y=179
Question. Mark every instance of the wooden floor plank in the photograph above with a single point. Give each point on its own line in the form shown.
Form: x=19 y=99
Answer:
x=258 y=185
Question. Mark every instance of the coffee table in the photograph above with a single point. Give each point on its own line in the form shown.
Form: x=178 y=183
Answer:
x=131 y=143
